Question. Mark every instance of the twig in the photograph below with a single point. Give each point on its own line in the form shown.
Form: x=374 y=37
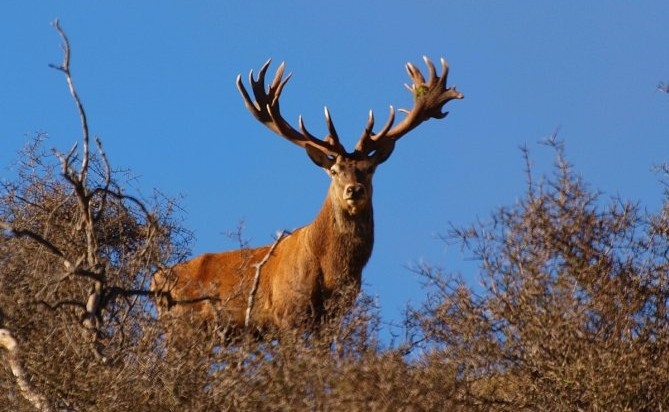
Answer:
x=107 y=174
x=34 y=236
x=256 y=279
x=663 y=87
x=104 y=191
x=65 y=68
x=59 y=304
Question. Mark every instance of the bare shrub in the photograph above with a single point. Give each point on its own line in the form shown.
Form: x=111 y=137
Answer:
x=571 y=314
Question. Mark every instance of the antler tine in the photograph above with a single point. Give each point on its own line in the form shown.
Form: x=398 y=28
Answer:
x=261 y=73
x=247 y=99
x=389 y=123
x=278 y=76
x=431 y=69
x=365 y=144
x=444 y=73
x=266 y=110
x=279 y=82
x=258 y=86
x=304 y=130
x=333 y=137
x=369 y=127
x=415 y=74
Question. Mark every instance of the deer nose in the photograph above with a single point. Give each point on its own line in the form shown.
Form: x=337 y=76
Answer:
x=354 y=191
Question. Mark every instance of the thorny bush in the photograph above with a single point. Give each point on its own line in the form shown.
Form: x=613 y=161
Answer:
x=572 y=312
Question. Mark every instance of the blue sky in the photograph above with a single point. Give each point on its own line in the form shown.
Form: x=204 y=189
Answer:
x=158 y=82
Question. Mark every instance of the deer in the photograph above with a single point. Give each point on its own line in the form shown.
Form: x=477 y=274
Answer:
x=291 y=283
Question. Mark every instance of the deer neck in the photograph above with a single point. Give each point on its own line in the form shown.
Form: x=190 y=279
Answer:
x=343 y=242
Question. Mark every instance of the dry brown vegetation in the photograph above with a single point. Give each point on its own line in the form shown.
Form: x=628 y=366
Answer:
x=571 y=314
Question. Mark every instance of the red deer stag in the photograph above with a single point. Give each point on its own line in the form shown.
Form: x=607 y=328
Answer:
x=291 y=282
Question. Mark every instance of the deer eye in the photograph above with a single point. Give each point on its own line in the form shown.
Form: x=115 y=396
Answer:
x=333 y=172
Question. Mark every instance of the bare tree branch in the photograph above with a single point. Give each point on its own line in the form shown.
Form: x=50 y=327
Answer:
x=60 y=304
x=34 y=236
x=256 y=279
x=65 y=68
x=26 y=388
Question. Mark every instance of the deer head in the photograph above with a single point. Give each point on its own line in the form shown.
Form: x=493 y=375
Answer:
x=351 y=172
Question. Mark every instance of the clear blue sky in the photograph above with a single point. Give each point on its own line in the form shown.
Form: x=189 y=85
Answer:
x=157 y=79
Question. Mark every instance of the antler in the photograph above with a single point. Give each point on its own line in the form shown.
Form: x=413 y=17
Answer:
x=429 y=98
x=265 y=108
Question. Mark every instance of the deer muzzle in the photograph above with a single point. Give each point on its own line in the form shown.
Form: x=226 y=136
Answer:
x=354 y=192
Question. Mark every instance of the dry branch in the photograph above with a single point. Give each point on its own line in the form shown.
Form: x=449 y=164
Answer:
x=65 y=68
x=256 y=279
x=28 y=391
x=34 y=236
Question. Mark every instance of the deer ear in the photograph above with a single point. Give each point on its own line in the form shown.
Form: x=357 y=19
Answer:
x=383 y=150
x=317 y=156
